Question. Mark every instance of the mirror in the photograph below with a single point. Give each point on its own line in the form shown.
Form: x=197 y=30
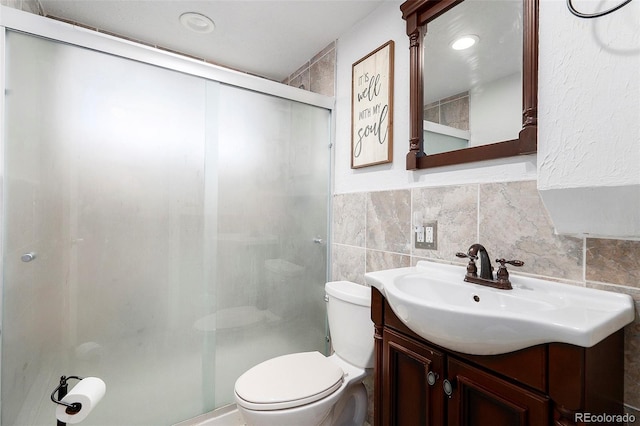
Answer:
x=473 y=92
x=478 y=103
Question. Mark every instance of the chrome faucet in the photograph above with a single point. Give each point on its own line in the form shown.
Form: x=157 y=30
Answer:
x=486 y=270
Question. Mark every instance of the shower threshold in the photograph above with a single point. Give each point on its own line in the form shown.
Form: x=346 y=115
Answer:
x=223 y=416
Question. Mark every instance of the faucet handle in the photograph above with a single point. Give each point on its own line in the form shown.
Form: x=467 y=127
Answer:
x=472 y=269
x=470 y=256
x=503 y=275
x=510 y=262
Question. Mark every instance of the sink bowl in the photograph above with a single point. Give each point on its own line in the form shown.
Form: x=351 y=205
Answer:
x=434 y=302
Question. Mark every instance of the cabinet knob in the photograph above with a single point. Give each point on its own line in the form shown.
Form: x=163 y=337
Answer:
x=448 y=387
x=432 y=378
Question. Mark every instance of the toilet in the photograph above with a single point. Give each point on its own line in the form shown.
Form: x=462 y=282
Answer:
x=308 y=388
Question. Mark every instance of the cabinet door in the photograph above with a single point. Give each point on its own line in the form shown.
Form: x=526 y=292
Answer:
x=481 y=399
x=412 y=383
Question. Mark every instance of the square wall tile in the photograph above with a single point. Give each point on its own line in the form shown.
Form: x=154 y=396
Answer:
x=631 y=345
x=349 y=219
x=348 y=263
x=455 y=208
x=455 y=113
x=389 y=221
x=432 y=114
x=322 y=74
x=515 y=225
x=635 y=412
x=380 y=260
x=613 y=261
x=301 y=80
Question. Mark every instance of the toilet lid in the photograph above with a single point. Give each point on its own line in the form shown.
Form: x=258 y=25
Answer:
x=289 y=381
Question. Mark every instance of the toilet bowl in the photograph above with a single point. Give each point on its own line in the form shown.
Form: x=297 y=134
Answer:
x=308 y=388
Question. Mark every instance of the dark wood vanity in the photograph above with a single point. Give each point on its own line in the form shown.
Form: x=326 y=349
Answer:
x=419 y=383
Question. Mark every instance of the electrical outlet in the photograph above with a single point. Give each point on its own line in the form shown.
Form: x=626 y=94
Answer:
x=428 y=234
x=428 y=238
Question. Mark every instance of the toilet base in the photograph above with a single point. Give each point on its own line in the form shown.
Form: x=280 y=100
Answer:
x=351 y=410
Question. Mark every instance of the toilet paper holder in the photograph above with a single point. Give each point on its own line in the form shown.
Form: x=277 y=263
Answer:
x=62 y=390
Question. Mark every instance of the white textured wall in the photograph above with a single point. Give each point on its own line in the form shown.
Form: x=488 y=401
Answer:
x=589 y=96
x=589 y=119
x=382 y=25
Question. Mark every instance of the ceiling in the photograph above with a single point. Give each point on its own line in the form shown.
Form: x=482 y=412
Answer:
x=498 y=53
x=269 y=38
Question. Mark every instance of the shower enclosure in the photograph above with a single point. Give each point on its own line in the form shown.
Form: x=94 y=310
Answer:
x=163 y=229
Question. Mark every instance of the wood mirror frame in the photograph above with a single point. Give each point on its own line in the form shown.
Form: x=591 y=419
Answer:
x=417 y=14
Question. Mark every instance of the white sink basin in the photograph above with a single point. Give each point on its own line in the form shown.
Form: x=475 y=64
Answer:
x=433 y=300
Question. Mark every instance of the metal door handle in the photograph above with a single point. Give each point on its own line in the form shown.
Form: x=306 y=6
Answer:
x=28 y=257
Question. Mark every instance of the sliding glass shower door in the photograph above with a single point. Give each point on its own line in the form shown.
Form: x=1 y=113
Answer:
x=161 y=231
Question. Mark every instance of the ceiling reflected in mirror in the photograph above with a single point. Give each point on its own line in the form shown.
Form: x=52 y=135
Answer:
x=476 y=87
x=498 y=52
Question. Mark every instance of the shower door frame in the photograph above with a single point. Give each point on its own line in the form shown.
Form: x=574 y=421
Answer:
x=16 y=20
x=13 y=19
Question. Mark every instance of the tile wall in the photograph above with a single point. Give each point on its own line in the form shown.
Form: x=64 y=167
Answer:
x=31 y=6
x=373 y=231
x=452 y=111
x=318 y=74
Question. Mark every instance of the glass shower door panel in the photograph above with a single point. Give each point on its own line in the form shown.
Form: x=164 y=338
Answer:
x=179 y=230
x=271 y=234
x=104 y=178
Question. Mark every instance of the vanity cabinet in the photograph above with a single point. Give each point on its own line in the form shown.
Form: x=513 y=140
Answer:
x=479 y=396
x=412 y=371
x=419 y=383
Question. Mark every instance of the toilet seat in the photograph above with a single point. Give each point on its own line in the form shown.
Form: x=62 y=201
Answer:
x=288 y=381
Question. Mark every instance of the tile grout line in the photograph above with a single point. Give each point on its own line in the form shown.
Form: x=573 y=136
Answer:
x=366 y=232
x=478 y=213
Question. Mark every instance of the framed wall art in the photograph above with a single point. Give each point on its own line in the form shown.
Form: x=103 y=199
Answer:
x=372 y=108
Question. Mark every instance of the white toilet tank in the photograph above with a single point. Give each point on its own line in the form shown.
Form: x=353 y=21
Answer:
x=349 y=313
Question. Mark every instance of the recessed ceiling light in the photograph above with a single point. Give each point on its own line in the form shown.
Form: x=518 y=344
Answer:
x=464 y=42
x=197 y=22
